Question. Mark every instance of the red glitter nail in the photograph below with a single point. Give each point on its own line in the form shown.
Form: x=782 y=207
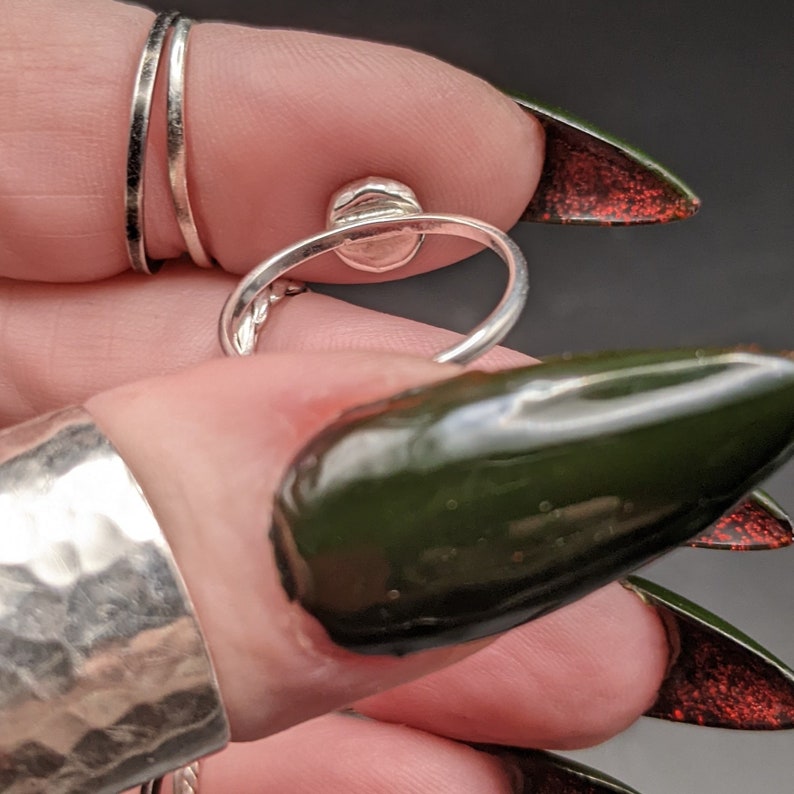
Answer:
x=758 y=523
x=719 y=676
x=545 y=773
x=591 y=178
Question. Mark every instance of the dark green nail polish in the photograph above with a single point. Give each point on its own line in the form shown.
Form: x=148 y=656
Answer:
x=463 y=509
x=590 y=177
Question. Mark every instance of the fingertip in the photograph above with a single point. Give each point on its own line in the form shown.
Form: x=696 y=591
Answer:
x=572 y=679
x=603 y=660
x=623 y=665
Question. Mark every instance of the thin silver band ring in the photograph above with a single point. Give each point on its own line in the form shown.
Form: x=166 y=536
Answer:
x=177 y=165
x=241 y=318
x=140 y=114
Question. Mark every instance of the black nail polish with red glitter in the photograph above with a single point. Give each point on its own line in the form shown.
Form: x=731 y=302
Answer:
x=718 y=677
x=591 y=178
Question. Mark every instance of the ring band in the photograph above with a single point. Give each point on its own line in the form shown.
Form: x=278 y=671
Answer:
x=140 y=114
x=240 y=324
x=177 y=155
x=106 y=678
x=186 y=779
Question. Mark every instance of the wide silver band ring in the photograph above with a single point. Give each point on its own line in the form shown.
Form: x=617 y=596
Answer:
x=241 y=317
x=107 y=680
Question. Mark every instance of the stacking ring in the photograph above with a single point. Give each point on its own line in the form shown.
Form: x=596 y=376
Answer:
x=177 y=158
x=140 y=114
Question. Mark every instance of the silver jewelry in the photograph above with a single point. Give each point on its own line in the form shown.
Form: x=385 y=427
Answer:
x=106 y=677
x=140 y=114
x=177 y=166
x=186 y=779
x=377 y=225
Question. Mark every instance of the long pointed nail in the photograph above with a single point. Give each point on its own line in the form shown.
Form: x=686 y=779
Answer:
x=759 y=523
x=590 y=177
x=545 y=773
x=460 y=510
x=719 y=677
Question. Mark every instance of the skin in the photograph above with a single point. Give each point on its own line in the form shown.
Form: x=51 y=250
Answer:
x=273 y=132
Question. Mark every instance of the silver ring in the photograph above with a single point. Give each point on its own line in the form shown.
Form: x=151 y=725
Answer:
x=107 y=679
x=177 y=167
x=184 y=781
x=140 y=114
x=240 y=324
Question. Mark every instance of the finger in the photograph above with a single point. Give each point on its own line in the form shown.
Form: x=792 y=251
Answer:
x=183 y=436
x=343 y=755
x=61 y=344
x=609 y=647
x=276 y=122
x=347 y=755
x=311 y=323
x=208 y=446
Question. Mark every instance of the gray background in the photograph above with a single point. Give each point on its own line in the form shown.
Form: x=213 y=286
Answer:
x=705 y=87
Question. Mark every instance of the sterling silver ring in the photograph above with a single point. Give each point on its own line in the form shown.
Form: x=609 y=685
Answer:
x=177 y=154
x=246 y=309
x=107 y=679
x=140 y=113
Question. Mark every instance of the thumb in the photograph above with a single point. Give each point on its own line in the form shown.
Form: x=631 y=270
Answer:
x=429 y=519
x=208 y=446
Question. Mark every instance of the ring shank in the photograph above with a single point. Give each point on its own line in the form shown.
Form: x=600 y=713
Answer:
x=140 y=113
x=241 y=304
x=176 y=143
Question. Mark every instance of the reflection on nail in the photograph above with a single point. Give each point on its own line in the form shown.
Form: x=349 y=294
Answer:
x=546 y=773
x=759 y=523
x=590 y=177
x=719 y=677
x=460 y=510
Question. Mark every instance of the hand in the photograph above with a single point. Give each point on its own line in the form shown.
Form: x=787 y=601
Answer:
x=277 y=122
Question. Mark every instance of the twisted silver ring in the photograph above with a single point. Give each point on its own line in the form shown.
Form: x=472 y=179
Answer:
x=241 y=317
x=184 y=781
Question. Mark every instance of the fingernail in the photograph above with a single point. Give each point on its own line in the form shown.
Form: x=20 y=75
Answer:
x=460 y=510
x=718 y=677
x=538 y=772
x=590 y=177
x=758 y=523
